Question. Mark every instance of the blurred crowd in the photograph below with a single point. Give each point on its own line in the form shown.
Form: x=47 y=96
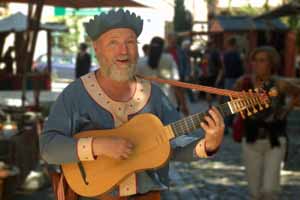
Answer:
x=263 y=136
x=173 y=58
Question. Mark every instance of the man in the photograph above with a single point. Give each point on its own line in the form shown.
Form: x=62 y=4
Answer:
x=182 y=61
x=83 y=61
x=233 y=64
x=109 y=97
x=233 y=69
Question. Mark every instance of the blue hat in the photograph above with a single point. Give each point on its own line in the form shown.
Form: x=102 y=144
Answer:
x=113 y=19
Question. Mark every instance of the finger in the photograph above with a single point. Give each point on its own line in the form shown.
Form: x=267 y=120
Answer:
x=204 y=126
x=215 y=114
x=129 y=145
x=118 y=157
x=128 y=151
x=124 y=156
x=210 y=121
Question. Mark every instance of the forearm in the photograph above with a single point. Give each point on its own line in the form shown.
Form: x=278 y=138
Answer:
x=191 y=152
x=57 y=149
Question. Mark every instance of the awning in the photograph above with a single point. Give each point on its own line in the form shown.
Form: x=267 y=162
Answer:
x=244 y=23
x=83 y=3
x=18 y=23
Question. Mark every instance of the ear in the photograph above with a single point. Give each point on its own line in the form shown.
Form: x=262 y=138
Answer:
x=95 y=46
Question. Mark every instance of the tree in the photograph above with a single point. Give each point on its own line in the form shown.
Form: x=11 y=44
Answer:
x=266 y=5
x=68 y=41
x=183 y=20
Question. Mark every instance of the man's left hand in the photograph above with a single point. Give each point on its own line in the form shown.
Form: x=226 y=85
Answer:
x=213 y=126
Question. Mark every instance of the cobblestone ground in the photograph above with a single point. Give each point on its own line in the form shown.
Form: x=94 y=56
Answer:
x=218 y=178
x=222 y=177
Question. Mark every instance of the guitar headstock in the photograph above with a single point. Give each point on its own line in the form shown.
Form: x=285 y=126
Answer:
x=251 y=102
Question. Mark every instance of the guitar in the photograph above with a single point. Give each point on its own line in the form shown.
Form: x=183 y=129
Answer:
x=152 y=145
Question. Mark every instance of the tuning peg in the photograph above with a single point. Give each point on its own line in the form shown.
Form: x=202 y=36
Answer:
x=242 y=114
x=246 y=98
x=252 y=100
x=267 y=105
x=273 y=92
x=257 y=99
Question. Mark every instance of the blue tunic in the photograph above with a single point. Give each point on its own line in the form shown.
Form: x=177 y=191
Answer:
x=75 y=111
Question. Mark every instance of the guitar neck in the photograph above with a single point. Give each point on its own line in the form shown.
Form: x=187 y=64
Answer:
x=192 y=122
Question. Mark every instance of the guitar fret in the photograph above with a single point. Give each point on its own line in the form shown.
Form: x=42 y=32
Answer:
x=195 y=122
x=190 y=125
x=192 y=122
x=183 y=127
x=185 y=122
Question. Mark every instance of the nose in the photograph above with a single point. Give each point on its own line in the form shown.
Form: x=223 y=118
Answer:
x=123 y=49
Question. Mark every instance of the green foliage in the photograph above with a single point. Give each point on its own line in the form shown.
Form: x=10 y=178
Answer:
x=69 y=40
x=182 y=18
x=247 y=10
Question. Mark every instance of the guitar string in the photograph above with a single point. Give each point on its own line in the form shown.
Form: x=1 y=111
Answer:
x=182 y=126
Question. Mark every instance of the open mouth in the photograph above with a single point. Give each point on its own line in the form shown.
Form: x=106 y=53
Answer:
x=123 y=60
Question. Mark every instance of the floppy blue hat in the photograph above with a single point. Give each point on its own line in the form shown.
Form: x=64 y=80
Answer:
x=113 y=19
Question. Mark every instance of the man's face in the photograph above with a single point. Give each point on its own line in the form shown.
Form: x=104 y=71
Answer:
x=117 y=53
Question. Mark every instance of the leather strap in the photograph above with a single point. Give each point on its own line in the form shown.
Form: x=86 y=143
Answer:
x=197 y=87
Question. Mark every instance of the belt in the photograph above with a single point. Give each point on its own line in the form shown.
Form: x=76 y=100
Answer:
x=153 y=195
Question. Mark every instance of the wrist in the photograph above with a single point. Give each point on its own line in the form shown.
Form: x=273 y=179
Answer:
x=209 y=150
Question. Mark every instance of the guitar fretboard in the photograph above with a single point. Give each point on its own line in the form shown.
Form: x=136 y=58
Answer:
x=192 y=122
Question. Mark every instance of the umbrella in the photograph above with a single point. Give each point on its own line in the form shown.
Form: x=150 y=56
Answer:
x=18 y=22
x=289 y=9
x=83 y=3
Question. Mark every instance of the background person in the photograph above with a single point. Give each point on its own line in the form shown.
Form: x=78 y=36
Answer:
x=83 y=61
x=265 y=137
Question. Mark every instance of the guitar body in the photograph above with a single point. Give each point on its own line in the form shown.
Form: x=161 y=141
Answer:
x=152 y=150
x=152 y=146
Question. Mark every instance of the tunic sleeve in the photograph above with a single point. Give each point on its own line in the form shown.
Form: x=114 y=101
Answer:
x=57 y=145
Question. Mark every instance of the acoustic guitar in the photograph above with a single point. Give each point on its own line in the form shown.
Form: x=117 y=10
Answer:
x=152 y=145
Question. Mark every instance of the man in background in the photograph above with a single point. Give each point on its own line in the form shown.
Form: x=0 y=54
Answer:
x=83 y=61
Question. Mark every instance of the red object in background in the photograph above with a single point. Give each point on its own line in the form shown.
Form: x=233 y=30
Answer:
x=204 y=68
x=14 y=82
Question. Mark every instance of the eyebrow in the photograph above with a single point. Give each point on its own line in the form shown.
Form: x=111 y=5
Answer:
x=116 y=36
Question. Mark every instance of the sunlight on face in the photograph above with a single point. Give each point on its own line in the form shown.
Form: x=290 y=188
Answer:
x=117 y=53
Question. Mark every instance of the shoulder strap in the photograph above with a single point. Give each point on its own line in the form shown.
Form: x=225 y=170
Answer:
x=202 y=88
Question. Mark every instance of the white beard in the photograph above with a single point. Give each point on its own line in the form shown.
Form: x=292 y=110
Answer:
x=116 y=74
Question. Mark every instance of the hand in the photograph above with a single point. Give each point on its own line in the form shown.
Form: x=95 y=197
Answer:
x=113 y=147
x=214 y=129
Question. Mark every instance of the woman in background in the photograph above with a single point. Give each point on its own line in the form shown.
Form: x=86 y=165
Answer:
x=265 y=139
x=162 y=65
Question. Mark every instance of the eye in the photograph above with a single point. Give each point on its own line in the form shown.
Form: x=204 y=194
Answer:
x=113 y=43
x=132 y=42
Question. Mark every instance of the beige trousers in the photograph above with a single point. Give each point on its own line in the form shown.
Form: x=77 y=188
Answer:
x=263 y=165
